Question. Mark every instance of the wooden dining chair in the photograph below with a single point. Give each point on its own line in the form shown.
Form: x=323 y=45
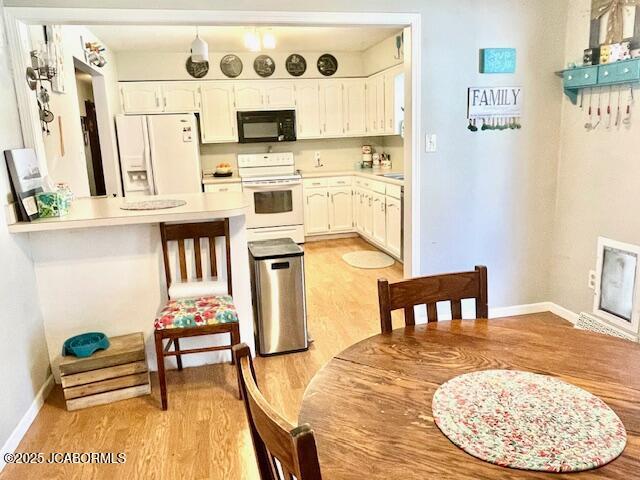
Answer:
x=208 y=312
x=283 y=451
x=451 y=287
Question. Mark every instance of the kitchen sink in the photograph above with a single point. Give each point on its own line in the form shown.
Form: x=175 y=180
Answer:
x=394 y=176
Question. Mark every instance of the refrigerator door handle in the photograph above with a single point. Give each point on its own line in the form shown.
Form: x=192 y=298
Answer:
x=148 y=156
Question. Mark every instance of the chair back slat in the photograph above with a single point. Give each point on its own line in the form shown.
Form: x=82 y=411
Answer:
x=195 y=232
x=450 y=287
x=282 y=450
x=432 y=312
x=198 y=255
x=212 y=256
x=183 y=260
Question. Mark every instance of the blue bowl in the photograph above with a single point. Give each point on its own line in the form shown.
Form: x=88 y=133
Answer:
x=85 y=345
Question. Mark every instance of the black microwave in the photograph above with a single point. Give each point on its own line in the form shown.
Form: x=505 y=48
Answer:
x=267 y=126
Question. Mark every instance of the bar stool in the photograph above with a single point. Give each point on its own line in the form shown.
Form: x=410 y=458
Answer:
x=196 y=307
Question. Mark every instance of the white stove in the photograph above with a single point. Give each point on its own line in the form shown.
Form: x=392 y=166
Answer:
x=275 y=191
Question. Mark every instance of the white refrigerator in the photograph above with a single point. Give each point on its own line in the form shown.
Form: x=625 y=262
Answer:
x=159 y=154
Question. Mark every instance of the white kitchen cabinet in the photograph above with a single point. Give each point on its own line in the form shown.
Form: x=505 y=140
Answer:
x=141 y=97
x=393 y=100
x=263 y=94
x=355 y=209
x=340 y=209
x=180 y=97
x=332 y=122
x=217 y=121
x=223 y=187
x=393 y=241
x=354 y=104
x=249 y=95
x=307 y=97
x=375 y=104
x=316 y=211
x=366 y=214
x=379 y=218
x=279 y=95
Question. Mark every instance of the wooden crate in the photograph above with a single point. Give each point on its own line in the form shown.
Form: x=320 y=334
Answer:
x=107 y=376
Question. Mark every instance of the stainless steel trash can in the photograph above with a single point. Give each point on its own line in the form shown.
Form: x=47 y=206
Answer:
x=279 y=307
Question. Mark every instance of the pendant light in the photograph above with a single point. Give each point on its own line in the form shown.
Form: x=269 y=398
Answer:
x=268 y=40
x=252 y=40
x=199 y=50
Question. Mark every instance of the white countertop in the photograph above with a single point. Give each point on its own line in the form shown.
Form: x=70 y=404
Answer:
x=208 y=179
x=372 y=173
x=106 y=212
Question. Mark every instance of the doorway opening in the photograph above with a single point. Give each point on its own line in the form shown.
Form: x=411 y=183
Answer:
x=90 y=134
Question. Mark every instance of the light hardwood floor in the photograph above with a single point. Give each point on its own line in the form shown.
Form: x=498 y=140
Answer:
x=204 y=435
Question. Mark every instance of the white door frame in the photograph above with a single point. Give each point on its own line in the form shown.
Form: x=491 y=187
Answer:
x=16 y=19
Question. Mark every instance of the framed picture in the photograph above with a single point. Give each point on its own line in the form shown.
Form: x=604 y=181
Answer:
x=618 y=284
x=26 y=181
x=630 y=27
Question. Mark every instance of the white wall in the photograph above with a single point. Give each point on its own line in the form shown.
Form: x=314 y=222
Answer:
x=25 y=364
x=381 y=56
x=486 y=197
x=598 y=188
x=135 y=65
x=71 y=168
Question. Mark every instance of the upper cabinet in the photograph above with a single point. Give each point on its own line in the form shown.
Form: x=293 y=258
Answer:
x=181 y=97
x=260 y=94
x=394 y=100
x=152 y=97
x=218 y=117
x=141 y=97
x=325 y=108
x=307 y=99
x=354 y=103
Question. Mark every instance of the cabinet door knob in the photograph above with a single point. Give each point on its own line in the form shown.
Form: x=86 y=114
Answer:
x=570 y=77
x=626 y=70
x=586 y=75
x=606 y=73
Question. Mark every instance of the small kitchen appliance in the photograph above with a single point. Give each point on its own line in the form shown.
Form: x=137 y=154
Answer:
x=267 y=126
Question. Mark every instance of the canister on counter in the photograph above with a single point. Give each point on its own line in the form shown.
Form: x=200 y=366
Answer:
x=366 y=149
x=367 y=160
x=591 y=57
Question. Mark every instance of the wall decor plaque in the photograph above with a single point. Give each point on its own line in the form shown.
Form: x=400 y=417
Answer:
x=231 y=65
x=196 y=69
x=264 y=65
x=296 y=65
x=327 y=64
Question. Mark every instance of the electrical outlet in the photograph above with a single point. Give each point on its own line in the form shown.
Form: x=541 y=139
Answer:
x=431 y=143
x=317 y=159
x=592 y=279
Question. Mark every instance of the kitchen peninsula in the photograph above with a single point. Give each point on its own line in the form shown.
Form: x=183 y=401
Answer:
x=100 y=268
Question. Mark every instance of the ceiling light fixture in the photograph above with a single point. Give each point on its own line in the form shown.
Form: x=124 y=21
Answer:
x=199 y=50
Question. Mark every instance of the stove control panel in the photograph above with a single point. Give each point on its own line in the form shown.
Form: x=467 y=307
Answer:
x=265 y=159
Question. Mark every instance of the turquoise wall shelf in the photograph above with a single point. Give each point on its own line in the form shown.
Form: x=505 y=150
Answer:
x=626 y=72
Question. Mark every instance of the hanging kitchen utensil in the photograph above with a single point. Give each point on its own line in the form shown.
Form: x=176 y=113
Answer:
x=581 y=99
x=599 y=109
x=627 y=118
x=609 y=108
x=618 y=113
x=589 y=125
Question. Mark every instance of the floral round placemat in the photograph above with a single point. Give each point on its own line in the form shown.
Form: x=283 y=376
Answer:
x=528 y=421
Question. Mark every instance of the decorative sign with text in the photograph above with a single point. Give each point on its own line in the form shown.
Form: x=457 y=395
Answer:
x=487 y=102
x=498 y=60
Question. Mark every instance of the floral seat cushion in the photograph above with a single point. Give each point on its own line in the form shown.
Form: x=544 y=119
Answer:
x=197 y=312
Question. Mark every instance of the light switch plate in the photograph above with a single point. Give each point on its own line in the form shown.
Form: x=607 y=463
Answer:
x=431 y=143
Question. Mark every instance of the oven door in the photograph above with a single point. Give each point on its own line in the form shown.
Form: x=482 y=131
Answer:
x=274 y=203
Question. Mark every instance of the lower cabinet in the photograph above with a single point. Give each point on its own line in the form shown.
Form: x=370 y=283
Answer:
x=223 y=187
x=394 y=226
x=367 y=210
x=379 y=218
x=340 y=209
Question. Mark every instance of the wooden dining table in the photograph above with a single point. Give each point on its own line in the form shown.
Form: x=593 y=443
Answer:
x=370 y=406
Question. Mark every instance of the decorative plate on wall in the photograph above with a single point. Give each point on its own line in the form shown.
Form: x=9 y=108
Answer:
x=231 y=65
x=197 y=69
x=296 y=65
x=264 y=65
x=327 y=64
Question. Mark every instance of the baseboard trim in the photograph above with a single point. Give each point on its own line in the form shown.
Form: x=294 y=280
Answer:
x=330 y=236
x=27 y=419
